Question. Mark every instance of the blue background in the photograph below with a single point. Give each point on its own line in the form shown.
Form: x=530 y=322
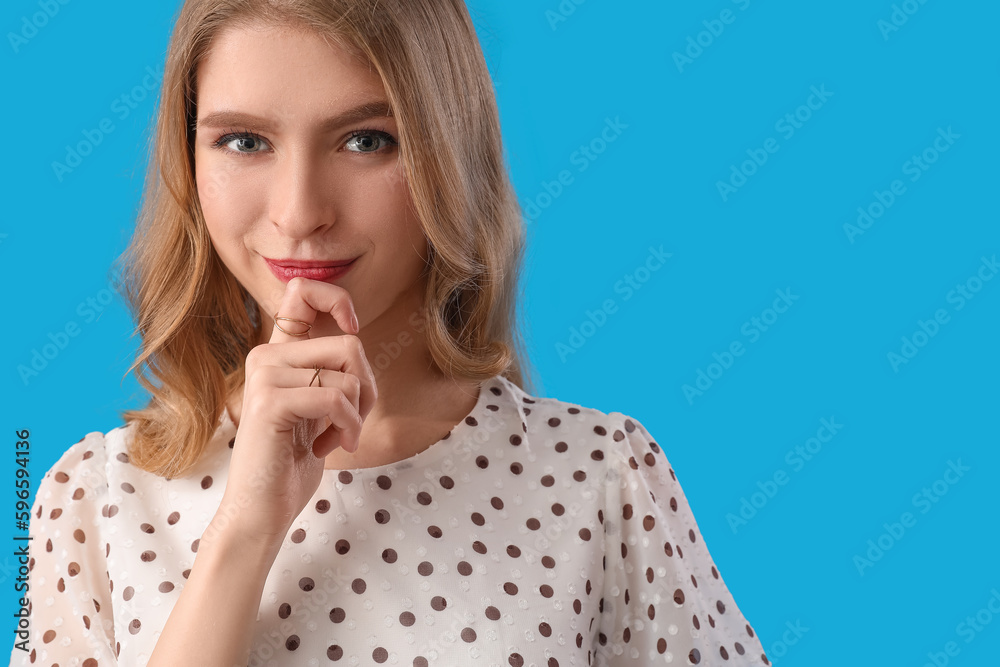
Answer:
x=562 y=71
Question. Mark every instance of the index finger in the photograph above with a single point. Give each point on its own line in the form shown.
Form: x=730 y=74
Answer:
x=303 y=300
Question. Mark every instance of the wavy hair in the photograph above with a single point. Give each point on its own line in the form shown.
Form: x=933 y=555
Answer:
x=197 y=323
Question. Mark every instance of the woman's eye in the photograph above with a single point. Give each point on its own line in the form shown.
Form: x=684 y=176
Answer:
x=369 y=141
x=243 y=143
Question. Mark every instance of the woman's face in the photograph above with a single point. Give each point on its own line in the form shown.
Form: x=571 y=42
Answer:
x=295 y=159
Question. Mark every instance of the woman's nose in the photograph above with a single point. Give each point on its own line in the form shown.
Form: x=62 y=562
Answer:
x=299 y=202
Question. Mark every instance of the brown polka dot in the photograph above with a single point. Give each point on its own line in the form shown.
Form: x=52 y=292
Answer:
x=464 y=568
x=510 y=588
x=407 y=619
x=206 y=482
x=545 y=629
x=382 y=516
x=334 y=652
x=515 y=660
x=661 y=645
x=55 y=514
x=749 y=630
x=516 y=468
x=694 y=656
x=434 y=531
x=548 y=480
x=648 y=522
x=679 y=596
x=585 y=534
x=292 y=642
x=579 y=475
x=561 y=447
x=127 y=593
x=61 y=477
x=420 y=661
x=651 y=612
x=497 y=503
x=715 y=573
x=471 y=421
x=322 y=506
x=478 y=519
x=438 y=603
x=173 y=518
x=482 y=462
x=548 y=561
x=724 y=653
x=479 y=547
x=667 y=549
x=627 y=511
x=359 y=586
x=79 y=536
x=383 y=482
x=558 y=509
x=739 y=648
x=389 y=556
x=468 y=635
x=134 y=626
x=194 y=545
x=515 y=440
x=425 y=569
x=691 y=536
x=337 y=615
x=424 y=498
x=307 y=584
x=380 y=655
x=721 y=607
x=147 y=556
x=48 y=636
x=79 y=493
x=496 y=391
x=600 y=430
x=513 y=551
x=649 y=459
x=285 y=610
x=493 y=613
x=298 y=535
x=166 y=587
x=597 y=455
x=345 y=477
x=232 y=441
x=545 y=590
x=554 y=421
x=447 y=482
x=342 y=547
x=533 y=524
x=673 y=504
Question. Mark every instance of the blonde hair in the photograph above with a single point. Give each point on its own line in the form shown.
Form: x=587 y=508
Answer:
x=197 y=323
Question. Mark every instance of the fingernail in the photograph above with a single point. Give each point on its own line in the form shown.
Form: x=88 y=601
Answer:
x=354 y=322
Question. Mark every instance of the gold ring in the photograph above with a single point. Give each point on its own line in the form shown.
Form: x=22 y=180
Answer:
x=316 y=377
x=289 y=319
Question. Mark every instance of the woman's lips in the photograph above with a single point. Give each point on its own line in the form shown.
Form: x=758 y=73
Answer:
x=324 y=273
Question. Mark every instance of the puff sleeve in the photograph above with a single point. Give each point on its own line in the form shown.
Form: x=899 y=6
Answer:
x=663 y=599
x=69 y=598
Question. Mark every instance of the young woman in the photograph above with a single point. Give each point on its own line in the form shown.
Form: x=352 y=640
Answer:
x=342 y=460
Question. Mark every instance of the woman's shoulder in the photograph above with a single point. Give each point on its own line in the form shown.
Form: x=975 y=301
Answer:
x=572 y=425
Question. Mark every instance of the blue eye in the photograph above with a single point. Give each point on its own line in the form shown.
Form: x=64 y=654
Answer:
x=367 y=141
x=247 y=137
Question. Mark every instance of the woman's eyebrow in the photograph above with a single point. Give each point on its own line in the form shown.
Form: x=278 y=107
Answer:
x=364 y=111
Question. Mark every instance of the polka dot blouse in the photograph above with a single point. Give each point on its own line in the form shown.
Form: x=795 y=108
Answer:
x=536 y=533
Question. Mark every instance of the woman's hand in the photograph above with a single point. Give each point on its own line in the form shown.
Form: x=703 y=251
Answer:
x=288 y=427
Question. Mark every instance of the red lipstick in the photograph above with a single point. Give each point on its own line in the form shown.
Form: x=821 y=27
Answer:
x=325 y=270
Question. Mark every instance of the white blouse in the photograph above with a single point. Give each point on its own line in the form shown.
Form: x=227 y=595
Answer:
x=537 y=532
